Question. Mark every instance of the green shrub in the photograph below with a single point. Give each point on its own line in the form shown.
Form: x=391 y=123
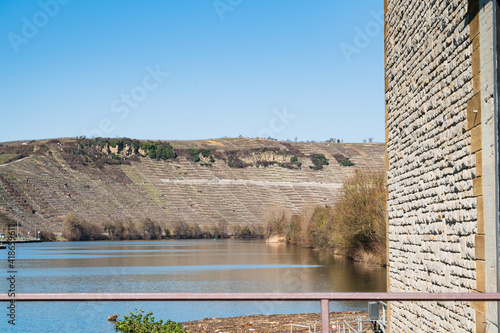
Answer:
x=343 y=160
x=318 y=160
x=157 y=150
x=140 y=323
x=164 y=151
x=194 y=155
x=346 y=162
x=205 y=153
x=117 y=143
x=152 y=153
x=136 y=145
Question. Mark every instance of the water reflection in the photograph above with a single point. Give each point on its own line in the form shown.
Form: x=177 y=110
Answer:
x=178 y=266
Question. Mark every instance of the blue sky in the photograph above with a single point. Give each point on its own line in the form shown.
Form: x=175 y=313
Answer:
x=192 y=69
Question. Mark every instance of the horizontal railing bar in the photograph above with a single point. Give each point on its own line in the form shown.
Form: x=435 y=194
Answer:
x=83 y=297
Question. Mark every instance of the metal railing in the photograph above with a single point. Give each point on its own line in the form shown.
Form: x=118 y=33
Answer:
x=324 y=298
x=304 y=325
x=358 y=324
x=349 y=324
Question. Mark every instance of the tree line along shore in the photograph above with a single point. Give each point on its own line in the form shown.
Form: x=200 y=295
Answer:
x=353 y=227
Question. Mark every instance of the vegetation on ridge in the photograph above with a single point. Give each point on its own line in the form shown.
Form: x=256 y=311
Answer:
x=127 y=147
x=99 y=152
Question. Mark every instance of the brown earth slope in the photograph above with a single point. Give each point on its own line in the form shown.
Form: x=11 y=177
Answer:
x=42 y=185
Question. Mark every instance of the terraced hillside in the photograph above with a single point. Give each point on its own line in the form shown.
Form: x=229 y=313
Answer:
x=44 y=186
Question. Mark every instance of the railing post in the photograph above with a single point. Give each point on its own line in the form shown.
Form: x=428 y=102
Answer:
x=325 y=316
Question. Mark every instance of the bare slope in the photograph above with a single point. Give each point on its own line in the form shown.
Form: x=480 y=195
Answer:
x=47 y=184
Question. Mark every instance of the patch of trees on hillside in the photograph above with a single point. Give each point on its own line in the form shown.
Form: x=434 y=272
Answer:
x=153 y=149
x=101 y=151
x=343 y=160
x=318 y=161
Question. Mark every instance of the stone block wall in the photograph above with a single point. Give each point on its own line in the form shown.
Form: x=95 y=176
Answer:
x=436 y=227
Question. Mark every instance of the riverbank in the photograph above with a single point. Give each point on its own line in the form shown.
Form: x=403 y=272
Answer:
x=355 y=226
x=5 y=241
x=264 y=323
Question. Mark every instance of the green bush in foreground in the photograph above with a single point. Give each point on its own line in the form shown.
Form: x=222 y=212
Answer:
x=140 y=323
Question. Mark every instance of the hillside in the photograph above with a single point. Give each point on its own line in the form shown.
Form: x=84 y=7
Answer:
x=225 y=180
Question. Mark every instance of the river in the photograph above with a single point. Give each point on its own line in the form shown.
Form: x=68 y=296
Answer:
x=172 y=266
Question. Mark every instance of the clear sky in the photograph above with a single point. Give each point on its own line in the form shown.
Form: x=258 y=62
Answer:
x=192 y=69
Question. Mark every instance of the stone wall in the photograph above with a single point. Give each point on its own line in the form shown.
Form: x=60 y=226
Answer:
x=433 y=136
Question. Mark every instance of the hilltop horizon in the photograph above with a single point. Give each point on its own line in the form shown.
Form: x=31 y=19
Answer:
x=330 y=140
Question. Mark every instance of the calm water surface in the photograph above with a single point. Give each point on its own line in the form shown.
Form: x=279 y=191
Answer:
x=173 y=266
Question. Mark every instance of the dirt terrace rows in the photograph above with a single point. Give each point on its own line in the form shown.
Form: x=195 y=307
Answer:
x=178 y=190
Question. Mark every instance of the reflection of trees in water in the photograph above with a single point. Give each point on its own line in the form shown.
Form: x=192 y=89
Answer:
x=349 y=276
x=336 y=274
x=185 y=266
